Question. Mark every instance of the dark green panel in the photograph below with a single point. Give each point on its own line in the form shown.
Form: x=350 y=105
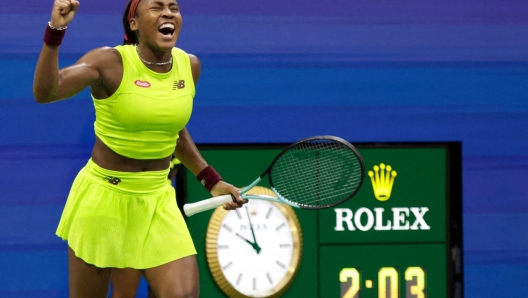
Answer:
x=240 y=167
x=369 y=260
x=420 y=183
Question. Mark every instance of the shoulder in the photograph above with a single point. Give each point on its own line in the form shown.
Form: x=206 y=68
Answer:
x=102 y=57
x=195 y=67
x=195 y=62
x=107 y=63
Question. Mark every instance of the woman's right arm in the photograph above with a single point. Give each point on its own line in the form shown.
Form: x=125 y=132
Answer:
x=51 y=84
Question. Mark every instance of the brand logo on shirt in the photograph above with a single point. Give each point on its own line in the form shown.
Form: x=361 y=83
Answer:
x=142 y=84
x=178 y=84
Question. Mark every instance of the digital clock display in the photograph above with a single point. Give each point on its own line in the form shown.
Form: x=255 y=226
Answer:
x=384 y=271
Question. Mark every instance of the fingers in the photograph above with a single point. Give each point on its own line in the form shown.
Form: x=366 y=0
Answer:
x=75 y=5
x=63 y=12
x=237 y=198
x=237 y=201
x=64 y=6
x=221 y=188
x=233 y=205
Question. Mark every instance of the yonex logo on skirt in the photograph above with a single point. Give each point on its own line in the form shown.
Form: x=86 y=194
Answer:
x=112 y=180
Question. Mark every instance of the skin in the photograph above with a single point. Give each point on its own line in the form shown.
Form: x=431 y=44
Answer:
x=101 y=70
x=125 y=282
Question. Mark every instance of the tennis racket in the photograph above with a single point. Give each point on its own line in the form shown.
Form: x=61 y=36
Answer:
x=314 y=173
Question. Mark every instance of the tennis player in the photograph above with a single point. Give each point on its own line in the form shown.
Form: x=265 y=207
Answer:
x=121 y=212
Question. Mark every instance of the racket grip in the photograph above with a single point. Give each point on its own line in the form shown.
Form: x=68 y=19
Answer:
x=193 y=208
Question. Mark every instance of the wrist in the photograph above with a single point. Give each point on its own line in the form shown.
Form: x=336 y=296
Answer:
x=56 y=27
x=208 y=177
x=53 y=35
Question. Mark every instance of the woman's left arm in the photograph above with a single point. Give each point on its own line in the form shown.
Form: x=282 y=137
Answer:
x=187 y=152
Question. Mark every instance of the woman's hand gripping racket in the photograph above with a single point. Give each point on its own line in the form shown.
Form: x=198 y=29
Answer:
x=314 y=173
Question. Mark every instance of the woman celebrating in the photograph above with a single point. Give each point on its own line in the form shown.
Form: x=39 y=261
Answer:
x=120 y=212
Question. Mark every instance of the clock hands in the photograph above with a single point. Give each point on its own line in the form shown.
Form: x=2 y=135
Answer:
x=255 y=246
x=253 y=243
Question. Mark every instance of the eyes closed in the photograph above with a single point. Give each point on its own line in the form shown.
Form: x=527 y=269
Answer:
x=174 y=8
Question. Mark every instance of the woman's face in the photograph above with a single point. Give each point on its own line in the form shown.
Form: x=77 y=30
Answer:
x=158 y=23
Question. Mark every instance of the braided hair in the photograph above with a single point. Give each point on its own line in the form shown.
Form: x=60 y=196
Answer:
x=130 y=36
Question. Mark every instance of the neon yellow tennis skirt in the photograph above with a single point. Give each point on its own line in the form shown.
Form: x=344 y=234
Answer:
x=124 y=220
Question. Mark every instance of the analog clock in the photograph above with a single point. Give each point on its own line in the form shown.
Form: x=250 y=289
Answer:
x=254 y=251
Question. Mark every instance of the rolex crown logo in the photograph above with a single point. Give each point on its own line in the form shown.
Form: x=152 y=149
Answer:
x=382 y=179
x=253 y=209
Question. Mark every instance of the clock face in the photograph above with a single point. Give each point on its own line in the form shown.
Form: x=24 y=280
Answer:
x=257 y=249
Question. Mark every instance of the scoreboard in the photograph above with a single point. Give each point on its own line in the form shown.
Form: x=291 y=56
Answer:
x=399 y=237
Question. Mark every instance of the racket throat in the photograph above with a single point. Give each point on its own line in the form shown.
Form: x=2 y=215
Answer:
x=247 y=188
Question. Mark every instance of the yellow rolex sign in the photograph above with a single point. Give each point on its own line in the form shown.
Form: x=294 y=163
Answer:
x=382 y=178
x=403 y=199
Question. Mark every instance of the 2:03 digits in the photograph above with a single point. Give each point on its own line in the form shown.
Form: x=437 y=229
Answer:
x=388 y=283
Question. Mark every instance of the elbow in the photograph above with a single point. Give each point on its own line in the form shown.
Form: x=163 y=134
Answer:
x=38 y=98
x=41 y=96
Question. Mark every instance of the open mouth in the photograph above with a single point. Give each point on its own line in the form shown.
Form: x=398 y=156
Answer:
x=166 y=29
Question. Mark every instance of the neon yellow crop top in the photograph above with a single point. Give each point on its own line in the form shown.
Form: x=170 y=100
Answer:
x=142 y=119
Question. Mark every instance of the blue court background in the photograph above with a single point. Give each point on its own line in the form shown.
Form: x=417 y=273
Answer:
x=278 y=71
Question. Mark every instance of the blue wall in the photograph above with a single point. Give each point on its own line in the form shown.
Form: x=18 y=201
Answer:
x=279 y=71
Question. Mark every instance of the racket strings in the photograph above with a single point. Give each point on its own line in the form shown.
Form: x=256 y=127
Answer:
x=317 y=173
x=317 y=185
x=321 y=186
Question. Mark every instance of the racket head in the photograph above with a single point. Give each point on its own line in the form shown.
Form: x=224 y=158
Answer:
x=317 y=172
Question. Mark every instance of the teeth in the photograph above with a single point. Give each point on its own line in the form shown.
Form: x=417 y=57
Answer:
x=167 y=25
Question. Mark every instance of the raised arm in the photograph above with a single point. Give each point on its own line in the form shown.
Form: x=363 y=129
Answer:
x=51 y=84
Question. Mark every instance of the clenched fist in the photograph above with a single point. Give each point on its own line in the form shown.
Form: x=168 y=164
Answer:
x=63 y=12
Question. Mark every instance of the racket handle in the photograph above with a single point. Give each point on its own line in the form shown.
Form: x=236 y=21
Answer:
x=193 y=208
